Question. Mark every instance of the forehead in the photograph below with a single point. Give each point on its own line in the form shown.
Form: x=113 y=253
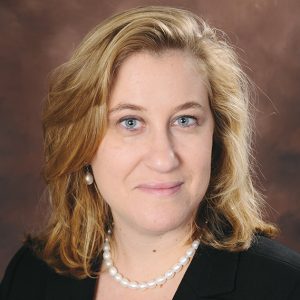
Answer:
x=171 y=74
x=175 y=59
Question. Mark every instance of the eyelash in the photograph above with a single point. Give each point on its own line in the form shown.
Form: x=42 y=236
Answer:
x=138 y=119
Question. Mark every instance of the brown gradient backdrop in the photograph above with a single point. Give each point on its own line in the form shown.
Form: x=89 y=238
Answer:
x=38 y=35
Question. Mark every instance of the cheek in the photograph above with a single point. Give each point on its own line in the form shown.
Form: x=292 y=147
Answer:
x=198 y=151
x=112 y=163
x=198 y=164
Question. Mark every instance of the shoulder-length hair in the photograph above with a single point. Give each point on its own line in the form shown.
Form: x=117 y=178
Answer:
x=75 y=120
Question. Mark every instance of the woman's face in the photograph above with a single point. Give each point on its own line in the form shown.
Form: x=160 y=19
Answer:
x=153 y=165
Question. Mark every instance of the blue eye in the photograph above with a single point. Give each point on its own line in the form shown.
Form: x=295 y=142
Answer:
x=132 y=123
x=187 y=121
x=129 y=123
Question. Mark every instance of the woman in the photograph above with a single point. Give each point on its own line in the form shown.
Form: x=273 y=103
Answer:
x=147 y=161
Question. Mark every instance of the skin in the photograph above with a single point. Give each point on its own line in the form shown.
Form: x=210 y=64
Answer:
x=155 y=144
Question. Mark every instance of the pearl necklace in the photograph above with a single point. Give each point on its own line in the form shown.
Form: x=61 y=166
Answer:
x=112 y=270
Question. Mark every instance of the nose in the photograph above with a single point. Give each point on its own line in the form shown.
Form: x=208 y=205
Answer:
x=161 y=153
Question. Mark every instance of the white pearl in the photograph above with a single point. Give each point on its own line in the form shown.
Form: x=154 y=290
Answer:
x=106 y=247
x=133 y=285
x=106 y=255
x=118 y=277
x=160 y=280
x=195 y=244
x=89 y=179
x=151 y=284
x=183 y=260
x=169 y=274
x=176 y=268
x=108 y=262
x=190 y=252
x=112 y=271
x=124 y=282
x=142 y=285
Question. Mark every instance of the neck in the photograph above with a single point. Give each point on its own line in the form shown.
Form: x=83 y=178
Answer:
x=143 y=255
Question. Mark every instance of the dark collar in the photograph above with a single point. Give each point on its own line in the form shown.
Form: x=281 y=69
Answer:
x=210 y=273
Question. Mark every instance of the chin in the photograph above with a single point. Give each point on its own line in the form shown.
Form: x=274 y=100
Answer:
x=162 y=224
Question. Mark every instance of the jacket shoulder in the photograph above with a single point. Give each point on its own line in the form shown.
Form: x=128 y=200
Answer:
x=269 y=269
x=275 y=253
x=25 y=275
x=29 y=277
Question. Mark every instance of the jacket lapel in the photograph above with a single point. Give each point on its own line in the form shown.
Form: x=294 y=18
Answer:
x=66 y=288
x=210 y=273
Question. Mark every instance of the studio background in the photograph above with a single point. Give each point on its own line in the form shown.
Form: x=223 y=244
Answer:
x=37 y=36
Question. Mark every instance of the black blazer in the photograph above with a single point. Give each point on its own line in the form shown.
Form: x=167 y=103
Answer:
x=266 y=271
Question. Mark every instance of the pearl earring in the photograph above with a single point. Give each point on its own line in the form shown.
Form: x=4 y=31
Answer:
x=88 y=177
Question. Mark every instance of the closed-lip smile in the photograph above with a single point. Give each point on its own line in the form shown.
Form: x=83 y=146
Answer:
x=161 y=188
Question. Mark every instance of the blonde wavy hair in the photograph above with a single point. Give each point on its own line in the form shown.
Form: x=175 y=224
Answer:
x=75 y=120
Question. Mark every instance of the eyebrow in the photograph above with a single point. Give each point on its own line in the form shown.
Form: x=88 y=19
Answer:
x=123 y=106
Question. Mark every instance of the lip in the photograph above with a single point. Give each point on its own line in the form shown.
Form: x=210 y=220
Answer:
x=161 y=188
